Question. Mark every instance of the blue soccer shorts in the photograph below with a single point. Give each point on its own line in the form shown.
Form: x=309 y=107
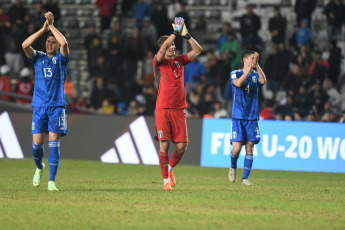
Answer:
x=244 y=130
x=49 y=119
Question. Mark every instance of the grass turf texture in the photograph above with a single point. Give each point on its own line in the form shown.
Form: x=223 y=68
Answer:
x=116 y=196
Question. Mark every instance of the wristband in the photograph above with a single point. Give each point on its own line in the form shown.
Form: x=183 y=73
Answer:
x=176 y=33
x=187 y=36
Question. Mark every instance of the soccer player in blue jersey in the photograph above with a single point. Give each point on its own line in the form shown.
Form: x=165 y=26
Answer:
x=48 y=101
x=245 y=112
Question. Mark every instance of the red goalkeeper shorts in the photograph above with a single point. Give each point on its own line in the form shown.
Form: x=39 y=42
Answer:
x=171 y=124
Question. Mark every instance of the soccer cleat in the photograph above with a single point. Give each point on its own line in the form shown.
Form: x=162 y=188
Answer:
x=246 y=182
x=232 y=175
x=52 y=186
x=38 y=175
x=172 y=179
x=167 y=186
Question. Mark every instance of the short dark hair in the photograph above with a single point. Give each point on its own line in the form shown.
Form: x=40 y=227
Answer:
x=162 y=39
x=247 y=53
x=50 y=34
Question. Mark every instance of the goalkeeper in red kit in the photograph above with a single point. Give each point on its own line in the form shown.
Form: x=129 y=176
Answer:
x=171 y=124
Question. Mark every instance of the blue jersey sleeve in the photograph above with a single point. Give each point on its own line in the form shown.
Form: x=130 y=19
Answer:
x=233 y=76
x=257 y=77
x=64 y=60
x=37 y=56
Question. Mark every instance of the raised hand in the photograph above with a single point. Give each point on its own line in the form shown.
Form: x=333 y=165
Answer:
x=45 y=27
x=255 y=59
x=50 y=18
x=178 y=24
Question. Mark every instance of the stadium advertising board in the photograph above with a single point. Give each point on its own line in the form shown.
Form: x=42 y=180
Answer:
x=292 y=146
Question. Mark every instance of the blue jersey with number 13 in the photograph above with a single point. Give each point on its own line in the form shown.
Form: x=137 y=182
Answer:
x=245 y=98
x=50 y=76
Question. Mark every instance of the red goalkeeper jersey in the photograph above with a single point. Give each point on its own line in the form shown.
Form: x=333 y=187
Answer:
x=169 y=75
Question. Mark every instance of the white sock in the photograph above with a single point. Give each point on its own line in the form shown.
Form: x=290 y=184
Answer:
x=165 y=180
x=170 y=169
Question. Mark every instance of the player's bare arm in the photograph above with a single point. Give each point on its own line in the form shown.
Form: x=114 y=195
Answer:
x=196 y=50
x=262 y=76
x=59 y=37
x=164 y=48
x=26 y=45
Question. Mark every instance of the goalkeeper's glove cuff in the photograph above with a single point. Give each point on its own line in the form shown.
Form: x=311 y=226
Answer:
x=176 y=33
x=187 y=36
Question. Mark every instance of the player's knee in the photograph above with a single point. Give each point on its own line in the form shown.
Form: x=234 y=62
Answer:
x=182 y=148
x=164 y=146
x=249 y=149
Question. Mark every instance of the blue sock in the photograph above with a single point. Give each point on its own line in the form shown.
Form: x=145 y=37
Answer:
x=53 y=158
x=234 y=161
x=37 y=153
x=248 y=162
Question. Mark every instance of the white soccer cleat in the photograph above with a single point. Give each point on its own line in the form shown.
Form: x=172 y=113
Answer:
x=232 y=175
x=246 y=182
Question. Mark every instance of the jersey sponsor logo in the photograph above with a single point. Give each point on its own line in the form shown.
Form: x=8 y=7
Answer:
x=233 y=76
x=160 y=133
x=234 y=134
x=130 y=147
x=54 y=60
x=177 y=64
x=8 y=139
x=254 y=79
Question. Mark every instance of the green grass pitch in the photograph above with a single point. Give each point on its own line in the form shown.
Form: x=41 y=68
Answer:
x=116 y=196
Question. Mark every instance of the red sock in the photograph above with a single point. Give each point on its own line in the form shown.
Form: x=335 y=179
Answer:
x=175 y=159
x=163 y=161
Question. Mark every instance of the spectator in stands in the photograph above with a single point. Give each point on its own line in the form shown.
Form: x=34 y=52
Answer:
x=150 y=98
x=224 y=36
x=54 y=8
x=304 y=9
x=306 y=54
x=304 y=67
x=293 y=79
x=149 y=34
x=132 y=108
x=267 y=113
x=272 y=68
x=117 y=31
x=160 y=20
x=148 y=71
x=107 y=8
x=250 y=26
x=25 y=86
x=126 y=7
x=211 y=67
x=102 y=69
x=311 y=116
x=303 y=34
x=277 y=26
x=335 y=13
x=328 y=115
x=5 y=25
x=114 y=57
x=140 y=10
x=108 y=107
x=17 y=12
x=218 y=110
x=288 y=117
x=318 y=68
x=69 y=93
x=292 y=38
x=93 y=52
x=134 y=51
x=233 y=50
x=193 y=72
x=302 y=101
x=5 y=84
x=88 y=40
x=342 y=118
x=333 y=94
x=334 y=61
x=13 y=55
x=39 y=14
x=173 y=9
x=98 y=94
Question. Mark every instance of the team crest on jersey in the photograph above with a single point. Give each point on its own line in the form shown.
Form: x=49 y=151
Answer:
x=234 y=134
x=257 y=132
x=33 y=126
x=254 y=78
x=54 y=60
x=160 y=133
x=177 y=64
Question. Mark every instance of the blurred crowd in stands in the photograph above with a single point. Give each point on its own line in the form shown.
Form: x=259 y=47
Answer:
x=302 y=84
